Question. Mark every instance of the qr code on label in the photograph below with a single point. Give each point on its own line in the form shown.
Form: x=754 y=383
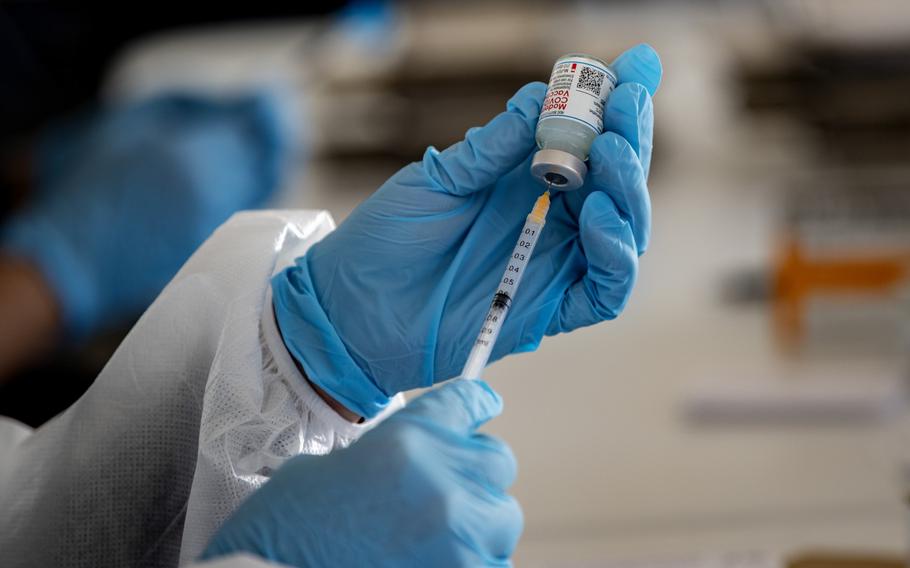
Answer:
x=591 y=80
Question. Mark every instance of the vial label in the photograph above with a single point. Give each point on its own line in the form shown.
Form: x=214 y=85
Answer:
x=578 y=89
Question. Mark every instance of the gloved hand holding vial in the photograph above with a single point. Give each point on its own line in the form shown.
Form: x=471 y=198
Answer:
x=570 y=119
x=421 y=258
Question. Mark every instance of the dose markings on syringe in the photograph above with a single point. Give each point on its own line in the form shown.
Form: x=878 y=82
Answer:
x=519 y=259
x=494 y=316
x=509 y=282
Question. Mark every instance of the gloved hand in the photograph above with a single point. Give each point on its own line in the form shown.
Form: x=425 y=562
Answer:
x=422 y=489
x=124 y=197
x=394 y=298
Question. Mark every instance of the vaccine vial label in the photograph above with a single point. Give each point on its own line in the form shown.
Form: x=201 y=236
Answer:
x=577 y=91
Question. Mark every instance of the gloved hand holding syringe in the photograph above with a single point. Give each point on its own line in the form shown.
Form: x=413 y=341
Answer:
x=571 y=117
x=393 y=298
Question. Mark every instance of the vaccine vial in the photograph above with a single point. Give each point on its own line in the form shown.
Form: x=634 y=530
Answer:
x=571 y=117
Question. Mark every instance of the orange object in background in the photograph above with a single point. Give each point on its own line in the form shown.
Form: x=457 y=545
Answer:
x=797 y=278
x=846 y=560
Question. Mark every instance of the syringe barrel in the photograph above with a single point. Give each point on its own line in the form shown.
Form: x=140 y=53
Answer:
x=486 y=339
x=520 y=257
x=502 y=300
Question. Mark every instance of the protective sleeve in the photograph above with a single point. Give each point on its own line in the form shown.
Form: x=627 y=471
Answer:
x=12 y=433
x=241 y=444
x=195 y=410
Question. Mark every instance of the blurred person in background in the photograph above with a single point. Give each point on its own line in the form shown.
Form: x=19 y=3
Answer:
x=121 y=198
x=281 y=340
x=102 y=202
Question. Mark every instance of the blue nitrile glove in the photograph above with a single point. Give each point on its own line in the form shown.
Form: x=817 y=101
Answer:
x=422 y=489
x=124 y=197
x=394 y=298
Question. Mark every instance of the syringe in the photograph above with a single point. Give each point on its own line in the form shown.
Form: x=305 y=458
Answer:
x=508 y=285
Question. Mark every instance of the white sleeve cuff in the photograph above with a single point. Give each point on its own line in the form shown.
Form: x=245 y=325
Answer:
x=288 y=369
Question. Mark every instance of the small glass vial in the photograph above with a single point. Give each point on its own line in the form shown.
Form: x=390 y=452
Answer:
x=570 y=119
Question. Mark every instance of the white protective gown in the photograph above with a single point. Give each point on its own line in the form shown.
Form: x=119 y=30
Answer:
x=197 y=406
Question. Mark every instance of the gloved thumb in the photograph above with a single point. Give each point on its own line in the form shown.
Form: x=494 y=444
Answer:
x=460 y=405
x=491 y=151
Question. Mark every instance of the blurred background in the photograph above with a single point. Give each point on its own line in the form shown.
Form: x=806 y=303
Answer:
x=748 y=408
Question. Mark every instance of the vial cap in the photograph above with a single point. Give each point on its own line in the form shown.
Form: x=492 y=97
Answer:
x=561 y=170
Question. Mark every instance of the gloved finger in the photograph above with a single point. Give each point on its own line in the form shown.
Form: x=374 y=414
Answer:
x=630 y=113
x=617 y=171
x=491 y=462
x=640 y=64
x=488 y=152
x=460 y=406
x=609 y=246
x=491 y=525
